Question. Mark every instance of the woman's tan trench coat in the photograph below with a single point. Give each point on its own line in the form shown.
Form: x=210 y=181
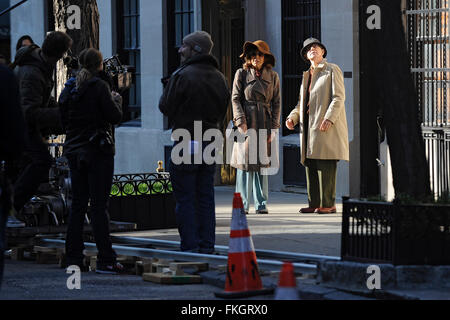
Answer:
x=327 y=101
x=256 y=102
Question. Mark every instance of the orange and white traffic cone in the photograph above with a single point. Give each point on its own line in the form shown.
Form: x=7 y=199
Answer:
x=287 y=285
x=243 y=278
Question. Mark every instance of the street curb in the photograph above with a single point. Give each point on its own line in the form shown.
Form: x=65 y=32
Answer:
x=354 y=276
x=306 y=291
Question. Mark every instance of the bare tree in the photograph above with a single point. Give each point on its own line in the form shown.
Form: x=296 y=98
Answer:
x=87 y=36
x=395 y=88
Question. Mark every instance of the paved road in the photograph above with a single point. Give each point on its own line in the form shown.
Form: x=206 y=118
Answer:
x=32 y=281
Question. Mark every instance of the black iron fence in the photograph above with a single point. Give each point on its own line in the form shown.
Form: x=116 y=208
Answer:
x=145 y=199
x=437 y=148
x=393 y=233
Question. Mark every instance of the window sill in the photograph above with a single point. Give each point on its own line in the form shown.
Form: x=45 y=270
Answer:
x=137 y=123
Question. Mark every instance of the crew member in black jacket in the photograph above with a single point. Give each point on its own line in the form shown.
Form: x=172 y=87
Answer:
x=12 y=143
x=35 y=67
x=196 y=92
x=90 y=110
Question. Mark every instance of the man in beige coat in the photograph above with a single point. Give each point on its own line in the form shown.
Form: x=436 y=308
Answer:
x=324 y=133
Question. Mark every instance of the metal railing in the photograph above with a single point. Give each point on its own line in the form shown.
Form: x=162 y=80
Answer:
x=437 y=149
x=141 y=184
x=395 y=233
x=428 y=43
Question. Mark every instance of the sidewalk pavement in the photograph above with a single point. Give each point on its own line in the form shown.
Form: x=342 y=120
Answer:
x=283 y=229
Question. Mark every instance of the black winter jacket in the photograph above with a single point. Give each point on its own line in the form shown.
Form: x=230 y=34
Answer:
x=40 y=109
x=12 y=124
x=197 y=91
x=88 y=112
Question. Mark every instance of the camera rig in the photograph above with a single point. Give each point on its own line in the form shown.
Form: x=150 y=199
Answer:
x=118 y=76
x=50 y=206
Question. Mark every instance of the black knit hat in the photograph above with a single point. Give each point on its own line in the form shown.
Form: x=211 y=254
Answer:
x=200 y=41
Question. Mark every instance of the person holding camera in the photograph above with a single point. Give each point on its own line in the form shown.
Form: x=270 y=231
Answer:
x=89 y=112
x=34 y=68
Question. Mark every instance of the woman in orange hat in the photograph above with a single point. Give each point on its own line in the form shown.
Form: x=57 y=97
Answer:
x=256 y=109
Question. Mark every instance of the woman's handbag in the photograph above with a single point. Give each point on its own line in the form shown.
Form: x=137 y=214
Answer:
x=103 y=140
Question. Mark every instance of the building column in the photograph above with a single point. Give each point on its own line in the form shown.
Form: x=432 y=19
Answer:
x=29 y=18
x=151 y=62
x=255 y=13
x=107 y=28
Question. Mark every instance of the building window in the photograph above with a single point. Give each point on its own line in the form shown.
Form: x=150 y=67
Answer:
x=129 y=49
x=180 y=22
x=301 y=20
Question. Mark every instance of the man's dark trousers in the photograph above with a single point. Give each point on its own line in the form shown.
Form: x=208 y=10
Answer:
x=91 y=175
x=36 y=172
x=321 y=178
x=193 y=187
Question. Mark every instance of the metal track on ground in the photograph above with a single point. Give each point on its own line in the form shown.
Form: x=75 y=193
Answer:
x=267 y=260
x=278 y=255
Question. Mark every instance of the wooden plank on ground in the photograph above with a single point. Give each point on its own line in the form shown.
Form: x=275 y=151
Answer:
x=163 y=278
x=144 y=266
x=45 y=255
x=178 y=267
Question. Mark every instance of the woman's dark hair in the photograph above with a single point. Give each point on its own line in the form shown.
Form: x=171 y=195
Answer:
x=56 y=44
x=22 y=39
x=90 y=60
x=248 y=59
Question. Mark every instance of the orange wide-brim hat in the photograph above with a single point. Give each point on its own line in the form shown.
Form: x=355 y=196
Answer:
x=262 y=47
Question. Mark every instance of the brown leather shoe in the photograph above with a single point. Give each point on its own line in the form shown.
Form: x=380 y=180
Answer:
x=308 y=210
x=326 y=210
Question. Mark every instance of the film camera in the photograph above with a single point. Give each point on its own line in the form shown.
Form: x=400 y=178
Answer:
x=118 y=76
x=50 y=206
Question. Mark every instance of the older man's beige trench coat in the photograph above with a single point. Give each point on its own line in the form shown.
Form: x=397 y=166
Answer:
x=327 y=101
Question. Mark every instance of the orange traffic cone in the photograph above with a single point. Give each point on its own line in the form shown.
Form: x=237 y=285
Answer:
x=287 y=286
x=243 y=278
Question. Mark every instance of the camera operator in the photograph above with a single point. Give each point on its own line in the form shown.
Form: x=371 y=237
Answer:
x=35 y=67
x=90 y=110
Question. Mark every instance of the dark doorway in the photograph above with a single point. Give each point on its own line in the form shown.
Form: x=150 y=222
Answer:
x=301 y=20
x=225 y=21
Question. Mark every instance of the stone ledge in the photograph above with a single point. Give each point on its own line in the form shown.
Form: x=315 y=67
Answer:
x=354 y=276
